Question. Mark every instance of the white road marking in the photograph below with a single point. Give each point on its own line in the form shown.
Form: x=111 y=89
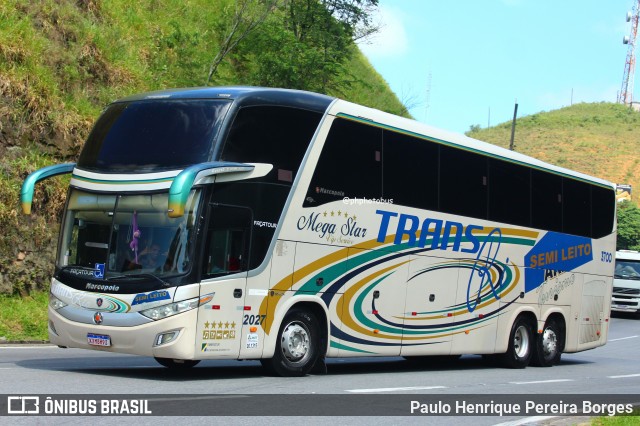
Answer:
x=526 y=421
x=541 y=381
x=622 y=338
x=394 y=389
x=625 y=376
x=26 y=346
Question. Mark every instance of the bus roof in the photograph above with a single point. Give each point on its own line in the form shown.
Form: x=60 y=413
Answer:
x=243 y=96
x=252 y=96
x=424 y=131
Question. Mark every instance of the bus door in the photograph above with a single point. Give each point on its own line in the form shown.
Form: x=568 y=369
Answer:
x=225 y=264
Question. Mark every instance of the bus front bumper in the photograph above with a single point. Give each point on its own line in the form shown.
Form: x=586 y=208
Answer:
x=137 y=340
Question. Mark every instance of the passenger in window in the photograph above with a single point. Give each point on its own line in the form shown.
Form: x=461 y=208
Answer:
x=150 y=257
x=234 y=263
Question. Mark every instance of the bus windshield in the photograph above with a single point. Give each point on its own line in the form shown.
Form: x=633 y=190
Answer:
x=112 y=236
x=627 y=269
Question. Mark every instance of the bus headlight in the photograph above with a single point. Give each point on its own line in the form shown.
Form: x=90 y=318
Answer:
x=55 y=303
x=172 y=309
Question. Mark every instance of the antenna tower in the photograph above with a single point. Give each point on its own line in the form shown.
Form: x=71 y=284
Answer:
x=626 y=93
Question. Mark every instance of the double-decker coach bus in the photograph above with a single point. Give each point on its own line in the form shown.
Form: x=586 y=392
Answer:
x=286 y=226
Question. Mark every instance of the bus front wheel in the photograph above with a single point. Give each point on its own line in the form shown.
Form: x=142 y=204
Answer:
x=521 y=344
x=177 y=364
x=297 y=349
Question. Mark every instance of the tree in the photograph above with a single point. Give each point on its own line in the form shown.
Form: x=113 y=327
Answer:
x=628 y=226
x=472 y=129
x=321 y=32
x=312 y=49
x=247 y=15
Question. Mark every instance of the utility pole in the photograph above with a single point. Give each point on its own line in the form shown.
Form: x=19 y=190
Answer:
x=513 y=125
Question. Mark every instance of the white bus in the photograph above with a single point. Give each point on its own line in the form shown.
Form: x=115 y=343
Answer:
x=286 y=226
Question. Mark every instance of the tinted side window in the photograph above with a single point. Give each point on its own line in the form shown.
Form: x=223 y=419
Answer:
x=602 y=211
x=227 y=243
x=350 y=164
x=265 y=201
x=546 y=201
x=463 y=183
x=410 y=171
x=509 y=193
x=576 y=207
x=273 y=135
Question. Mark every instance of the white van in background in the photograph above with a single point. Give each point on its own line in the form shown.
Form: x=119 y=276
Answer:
x=626 y=282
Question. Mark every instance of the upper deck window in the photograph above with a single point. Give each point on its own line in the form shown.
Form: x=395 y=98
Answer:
x=274 y=135
x=153 y=135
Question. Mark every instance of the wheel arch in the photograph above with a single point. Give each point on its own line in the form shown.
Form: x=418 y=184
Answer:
x=311 y=304
x=504 y=328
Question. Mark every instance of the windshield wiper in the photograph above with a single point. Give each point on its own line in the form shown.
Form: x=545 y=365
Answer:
x=142 y=275
x=627 y=277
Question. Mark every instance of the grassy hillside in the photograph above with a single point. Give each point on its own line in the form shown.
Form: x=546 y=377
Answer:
x=600 y=139
x=62 y=61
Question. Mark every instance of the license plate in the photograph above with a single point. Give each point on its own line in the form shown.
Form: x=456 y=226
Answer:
x=98 y=339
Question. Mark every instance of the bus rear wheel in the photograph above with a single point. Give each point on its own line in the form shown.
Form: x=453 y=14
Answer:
x=548 y=348
x=177 y=364
x=518 y=354
x=297 y=349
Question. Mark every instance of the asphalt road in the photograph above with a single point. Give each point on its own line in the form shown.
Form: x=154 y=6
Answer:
x=48 y=370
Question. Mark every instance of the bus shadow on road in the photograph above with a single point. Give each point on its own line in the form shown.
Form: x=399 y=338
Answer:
x=135 y=367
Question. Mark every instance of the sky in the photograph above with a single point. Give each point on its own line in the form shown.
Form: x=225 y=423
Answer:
x=458 y=63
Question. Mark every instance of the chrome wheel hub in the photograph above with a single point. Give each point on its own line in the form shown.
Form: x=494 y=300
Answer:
x=549 y=343
x=521 y=342
x=295 y=342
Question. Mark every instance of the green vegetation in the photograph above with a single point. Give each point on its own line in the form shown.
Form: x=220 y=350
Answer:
x=628 y=226
x=621 y=420
x=23 y=318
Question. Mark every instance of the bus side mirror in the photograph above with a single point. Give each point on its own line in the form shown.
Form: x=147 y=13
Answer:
x=28 y=186
x=203 y=173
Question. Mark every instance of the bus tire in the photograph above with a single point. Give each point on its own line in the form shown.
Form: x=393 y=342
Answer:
x=521 y=343
x=177 y=364
x=548 y=347
x=297 y=348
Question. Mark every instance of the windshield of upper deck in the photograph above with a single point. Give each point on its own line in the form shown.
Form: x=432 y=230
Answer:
x=153 y=135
